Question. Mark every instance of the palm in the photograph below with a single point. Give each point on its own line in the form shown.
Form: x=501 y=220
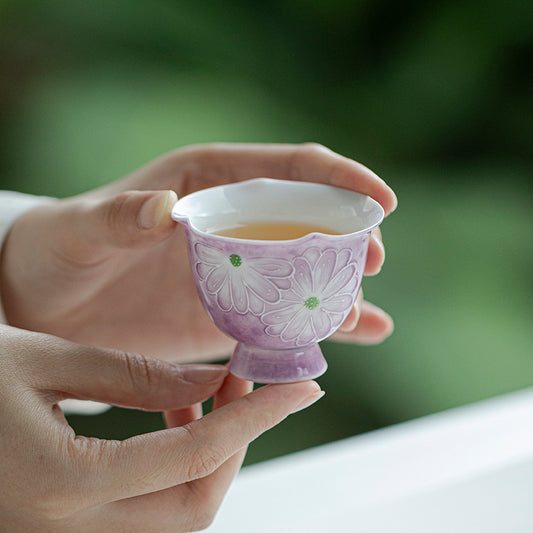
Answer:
x=149 y=304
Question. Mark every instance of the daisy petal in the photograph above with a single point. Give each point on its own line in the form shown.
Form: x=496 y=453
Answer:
x=239 y=296
x=350 y=286
x=307 y=335
x=343 y=257
x=324 y=270
x=312 y=255
x=272 y=268
x=321 y=323
x=257 y=306
x=338 y=303
x=343 y=278
x=224 y=297
x=295 y=292
x=215 y=279
x=208 y=254
x=203 y=270
x=336 y=319
x=275 y=331
x=281 y=316
x=281 y=283
x=295 y=325
x=293 y=297
x=303 y=276
x=262 y=287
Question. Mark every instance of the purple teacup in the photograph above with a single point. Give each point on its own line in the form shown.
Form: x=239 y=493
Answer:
x=278 y=298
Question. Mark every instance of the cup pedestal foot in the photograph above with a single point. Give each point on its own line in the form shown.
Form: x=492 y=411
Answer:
x=277 y=366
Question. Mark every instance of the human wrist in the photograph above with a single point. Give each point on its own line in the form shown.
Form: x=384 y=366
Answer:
x=12 y=206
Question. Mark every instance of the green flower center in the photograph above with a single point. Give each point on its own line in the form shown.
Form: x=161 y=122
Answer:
x=311 y=302
x=235 y=260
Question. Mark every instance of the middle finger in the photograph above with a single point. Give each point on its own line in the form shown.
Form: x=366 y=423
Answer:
x=376 y=253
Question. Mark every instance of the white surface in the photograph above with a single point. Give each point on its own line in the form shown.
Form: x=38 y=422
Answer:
x=83 y=407
x=465 y=470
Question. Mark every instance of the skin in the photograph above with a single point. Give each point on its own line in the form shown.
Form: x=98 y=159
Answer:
x=109 y=269
x=112 y=283
x=172 y=480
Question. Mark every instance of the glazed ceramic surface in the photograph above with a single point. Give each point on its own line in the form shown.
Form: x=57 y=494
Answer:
x=278 y=299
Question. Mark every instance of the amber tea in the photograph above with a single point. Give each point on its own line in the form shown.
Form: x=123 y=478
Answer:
x=272 y=231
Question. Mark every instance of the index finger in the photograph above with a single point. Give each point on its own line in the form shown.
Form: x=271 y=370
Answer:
x=306 y=162
x=203 y=496
x=162 y=459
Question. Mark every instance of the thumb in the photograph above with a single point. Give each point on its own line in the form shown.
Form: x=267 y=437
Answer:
x=133 y=219
x=115 y=377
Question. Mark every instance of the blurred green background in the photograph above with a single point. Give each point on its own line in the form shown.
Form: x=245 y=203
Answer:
x=435 y=97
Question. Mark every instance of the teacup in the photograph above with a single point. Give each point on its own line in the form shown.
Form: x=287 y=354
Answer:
x=278 y=298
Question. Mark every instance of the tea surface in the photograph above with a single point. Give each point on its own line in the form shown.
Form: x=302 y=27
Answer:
x=272 y=231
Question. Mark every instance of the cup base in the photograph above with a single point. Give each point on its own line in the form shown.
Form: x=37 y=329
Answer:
x=277 y=366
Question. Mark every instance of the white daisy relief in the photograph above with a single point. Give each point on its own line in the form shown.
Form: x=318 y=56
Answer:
x=322 y=292
x=242 y=283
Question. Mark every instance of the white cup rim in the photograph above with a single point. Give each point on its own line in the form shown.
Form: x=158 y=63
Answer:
x=347 y=212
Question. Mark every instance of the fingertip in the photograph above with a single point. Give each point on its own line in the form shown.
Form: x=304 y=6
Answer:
x=295 y=396
x=155 y=211
x=375 y=325
x=309 y=400
x=378 y=189
x=232 y=389
x=392 y=202
x=385 y=196
x=376 y=255
x=388 y=329
x=299 y=389
x=351 y=320
x=131 y=219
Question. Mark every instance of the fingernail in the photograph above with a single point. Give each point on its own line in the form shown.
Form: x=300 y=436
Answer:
x=154 y=209
x=310 y=400
x=395 y=202
x=203 y=373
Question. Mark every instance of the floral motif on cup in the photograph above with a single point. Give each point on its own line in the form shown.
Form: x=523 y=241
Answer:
x=245 y=284
x=321 y=294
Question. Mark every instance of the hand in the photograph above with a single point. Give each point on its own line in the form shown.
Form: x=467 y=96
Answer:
x=53 y=481
x=109 y=267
